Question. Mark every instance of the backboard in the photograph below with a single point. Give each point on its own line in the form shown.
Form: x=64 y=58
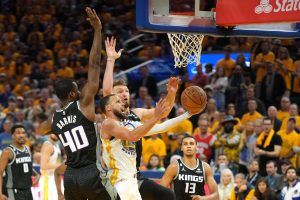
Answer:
x=199 y=16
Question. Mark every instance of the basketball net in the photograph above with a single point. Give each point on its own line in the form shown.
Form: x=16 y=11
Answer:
x=186 y=48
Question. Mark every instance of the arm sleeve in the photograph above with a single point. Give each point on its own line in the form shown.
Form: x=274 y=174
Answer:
x=165 y=126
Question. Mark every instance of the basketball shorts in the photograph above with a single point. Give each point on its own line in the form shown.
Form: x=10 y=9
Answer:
x=48 y=187
x=18 y=194
x=84 y=183
x=150 y=190
x=128 y=189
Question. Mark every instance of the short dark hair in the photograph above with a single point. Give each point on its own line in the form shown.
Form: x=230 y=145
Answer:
x=272 y=161
x=292 y=119
x=63 y=87
x=119 y=82
x=290 y=168
x=13 y=129
x=188 y=136
x=104 y=101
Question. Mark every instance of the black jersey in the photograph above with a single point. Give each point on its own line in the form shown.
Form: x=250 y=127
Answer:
x=19 y=169
x=188 y=181
x=138 y=145
x=77 y=134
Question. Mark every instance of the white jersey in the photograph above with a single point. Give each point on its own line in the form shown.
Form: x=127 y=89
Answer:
x=47 y=180
x=54 y=158
x=120 y=156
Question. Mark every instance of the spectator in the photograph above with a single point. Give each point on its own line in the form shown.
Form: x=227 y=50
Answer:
x=226 y=63
x=259 y=65
x=219 y=84
x=5 y=136
x=272 y=86
x=148 y=81
x=274 y=179
x=263 y=191
x=292 y=189
x=154 y=163
x=289 y=140
x=227 y=141
x=286 y=67
x=253 y=174
x=284 y=165
x=142 y=97
x=293 y=111
x=272 y=114
x=200 y=79
x=234 y=87
x=258 y=127
x=177 y=153
x=285 y=106
x=153 y=145
x=204 y=140
x=268 y=146
x=252 y=115
x=209 y=70
x=226 y=184
x=242 y=190
x=232 y=112
x=246 y=147
x=243 y=106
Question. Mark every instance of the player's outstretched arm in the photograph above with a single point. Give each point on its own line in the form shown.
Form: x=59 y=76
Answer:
x=212 y=185
x=6 y=156
x=111 y=128
x=91 y=88
x=166 y=125
x=172 y=87
x=112 y=56
x=169 y=174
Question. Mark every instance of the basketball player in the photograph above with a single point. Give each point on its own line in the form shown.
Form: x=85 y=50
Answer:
x=149 y=190
x=119 y=135
x=50 y=160
x=74 y=125
x=17 y=163
x=188 y=175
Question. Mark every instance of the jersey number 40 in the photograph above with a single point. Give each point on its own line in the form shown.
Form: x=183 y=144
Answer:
x=78 y=141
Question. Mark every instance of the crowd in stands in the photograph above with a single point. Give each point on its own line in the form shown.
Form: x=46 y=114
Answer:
x=251 y=125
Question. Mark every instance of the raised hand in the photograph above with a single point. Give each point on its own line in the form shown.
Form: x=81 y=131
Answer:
x=93 y=18
x=110 y=47
x=173 y=83
x=161 y=107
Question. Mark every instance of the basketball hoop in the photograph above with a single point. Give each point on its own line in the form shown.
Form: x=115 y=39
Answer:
x=186 y=48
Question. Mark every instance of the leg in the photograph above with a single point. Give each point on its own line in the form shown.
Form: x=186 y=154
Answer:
x=71 y=190
x=152 y=191
x=128 y=189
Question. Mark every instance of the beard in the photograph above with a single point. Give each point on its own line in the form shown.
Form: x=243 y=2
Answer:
x=119 y=115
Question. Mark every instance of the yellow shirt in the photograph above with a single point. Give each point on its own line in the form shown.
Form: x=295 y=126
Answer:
x=285 y=121
x=185 y=126
x=288 y=142
x=287 y=76
x=67 y=72
x=248 y=117
x=227 y=64
x=261 y=71
x=281 y=115
x=296 y=85
x=248 y=197
x=153 y=146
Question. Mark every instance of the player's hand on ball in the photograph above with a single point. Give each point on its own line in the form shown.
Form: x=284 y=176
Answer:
x=110 y=47
x=93 y=18
x=161 y=107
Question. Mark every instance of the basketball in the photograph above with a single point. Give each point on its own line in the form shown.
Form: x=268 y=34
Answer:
x=193 y=99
